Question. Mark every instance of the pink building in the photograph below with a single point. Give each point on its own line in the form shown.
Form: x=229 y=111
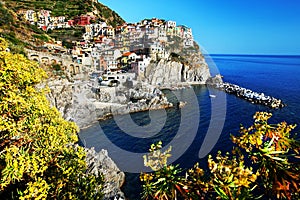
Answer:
x=83 y=20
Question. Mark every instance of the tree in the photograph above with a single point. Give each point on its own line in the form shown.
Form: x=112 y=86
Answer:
x=38 y=155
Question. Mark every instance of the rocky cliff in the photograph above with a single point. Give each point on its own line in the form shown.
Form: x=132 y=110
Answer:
x=84 y=103
x=100 y=163
x=184 y=64
x=167 y=72
x=75 y=102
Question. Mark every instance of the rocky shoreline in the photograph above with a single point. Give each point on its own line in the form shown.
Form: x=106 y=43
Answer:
x=85 y=102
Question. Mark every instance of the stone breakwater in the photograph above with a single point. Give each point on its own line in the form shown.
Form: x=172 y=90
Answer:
x=249 y=95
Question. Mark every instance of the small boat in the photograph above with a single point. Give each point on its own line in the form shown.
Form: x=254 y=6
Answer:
x=212 y=96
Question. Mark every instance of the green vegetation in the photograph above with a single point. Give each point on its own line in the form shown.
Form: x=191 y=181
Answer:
x=19 y=34
x=180 y=53
x=41 y=37
x=56 y=67
x=108 y=15
x=177 y=42
x=274 y=172
x=38 y=155
x=70 y=34
x=69 y=9
x=177 y=58
x=67 y=44
x=6 y=17
x=58 y=8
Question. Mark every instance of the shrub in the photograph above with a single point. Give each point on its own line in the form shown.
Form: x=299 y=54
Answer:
x=42 y=37
x=165 y=182
x=38 y=155
x=270 y=147
x=276 y=154
x=56 y=67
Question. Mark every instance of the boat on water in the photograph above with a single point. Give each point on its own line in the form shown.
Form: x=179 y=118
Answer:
x=212 y=96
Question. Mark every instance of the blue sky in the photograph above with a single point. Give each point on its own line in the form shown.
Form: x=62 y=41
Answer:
x=228 y=26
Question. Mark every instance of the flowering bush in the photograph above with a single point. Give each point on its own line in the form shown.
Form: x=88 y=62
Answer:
x=38 y=155
x=271 y=149
x=165 y=182
x=276 y=154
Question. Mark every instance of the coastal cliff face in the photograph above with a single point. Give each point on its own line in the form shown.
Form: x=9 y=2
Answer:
x=182 y=65
x=170 y=72
x=100 y=163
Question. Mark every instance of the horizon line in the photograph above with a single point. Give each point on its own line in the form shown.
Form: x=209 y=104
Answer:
x=245 y=54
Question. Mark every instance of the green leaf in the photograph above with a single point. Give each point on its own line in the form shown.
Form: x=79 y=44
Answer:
x=221 y=193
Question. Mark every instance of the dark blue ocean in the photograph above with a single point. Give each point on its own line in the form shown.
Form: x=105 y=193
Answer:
x=277 y=76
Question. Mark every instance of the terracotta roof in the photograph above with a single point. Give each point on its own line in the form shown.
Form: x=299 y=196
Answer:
x=127 y=54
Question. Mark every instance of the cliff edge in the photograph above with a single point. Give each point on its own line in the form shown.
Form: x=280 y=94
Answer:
x=167 y=72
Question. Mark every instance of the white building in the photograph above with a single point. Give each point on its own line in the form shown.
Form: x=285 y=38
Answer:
x=142 y=65
x=171 y=24
x=152 y=33
x=188 y=42
x=31 y=16
x=110 y=79
x=162 y=35
x=110 y=60
x=95 y=59
x=87 y=61
x=157 y=51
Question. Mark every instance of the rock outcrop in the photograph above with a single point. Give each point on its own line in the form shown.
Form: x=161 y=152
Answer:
x=181 y=64
x=167 y=72
x=71 y=101
x=100 y=163
x=215 y=81
x=84 y=103
x=139 y=98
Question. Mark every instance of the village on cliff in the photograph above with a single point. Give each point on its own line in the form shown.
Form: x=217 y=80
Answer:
x=114 y=70
x=103 y=49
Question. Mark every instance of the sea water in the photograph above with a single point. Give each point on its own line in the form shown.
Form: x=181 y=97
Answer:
x=277 y=76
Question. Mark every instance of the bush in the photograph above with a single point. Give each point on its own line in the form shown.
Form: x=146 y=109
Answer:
x=275 y=153
x=272 y=150
x=6 y=17
x=38 y=155
x=42 y=37
x=56 y=67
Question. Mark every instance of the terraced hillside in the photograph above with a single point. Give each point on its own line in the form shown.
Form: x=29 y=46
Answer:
x=69 y=8
x=18 y=33
x=22 y=34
